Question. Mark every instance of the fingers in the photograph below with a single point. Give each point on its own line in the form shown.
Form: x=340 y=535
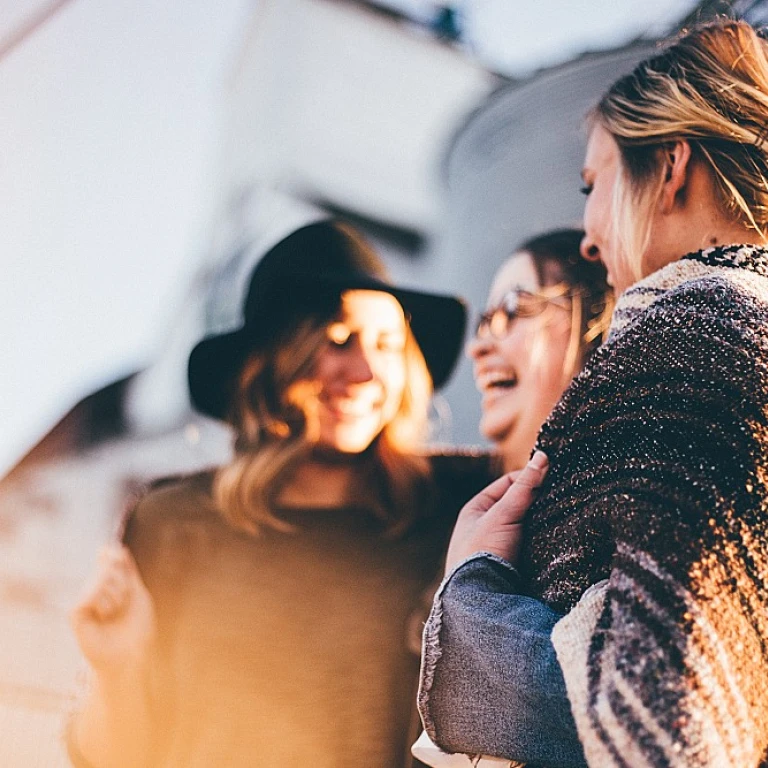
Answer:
x=512 y=506
x=491 y=522
x=530 y=477
x=489 y=496
x=534 y=472
x=109 y=594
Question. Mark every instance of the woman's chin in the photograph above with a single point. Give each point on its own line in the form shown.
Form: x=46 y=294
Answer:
x=345 y=446
x=497 y=428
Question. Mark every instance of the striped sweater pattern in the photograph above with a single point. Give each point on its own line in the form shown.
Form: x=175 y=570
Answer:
x=658 y=494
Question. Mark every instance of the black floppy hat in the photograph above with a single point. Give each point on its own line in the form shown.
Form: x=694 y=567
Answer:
x=304 y=274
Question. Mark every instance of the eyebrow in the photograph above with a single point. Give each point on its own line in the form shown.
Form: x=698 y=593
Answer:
x=394 y=332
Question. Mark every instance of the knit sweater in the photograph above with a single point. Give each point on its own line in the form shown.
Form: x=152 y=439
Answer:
x=658 y=484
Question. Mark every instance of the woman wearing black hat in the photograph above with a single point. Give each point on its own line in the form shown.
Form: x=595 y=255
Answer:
x=258 y=614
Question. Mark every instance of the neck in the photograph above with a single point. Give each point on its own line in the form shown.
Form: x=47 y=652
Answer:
x=323 y=480
x=732 y=236
x=698 y=221
x=512 y=459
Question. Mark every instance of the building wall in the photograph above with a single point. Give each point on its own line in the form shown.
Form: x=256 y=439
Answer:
x=332 y=101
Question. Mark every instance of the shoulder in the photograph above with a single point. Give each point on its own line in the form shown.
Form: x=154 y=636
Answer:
x=704 y=301
x=697 y=352
x=167 y=506
x=466 y=460
x=176 y=496
x=712 y=320
x=730 y=294
x=172 y=530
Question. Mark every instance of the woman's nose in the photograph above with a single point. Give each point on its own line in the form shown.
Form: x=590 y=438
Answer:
x=358 y=368
x=478 y=346
x=589 y=249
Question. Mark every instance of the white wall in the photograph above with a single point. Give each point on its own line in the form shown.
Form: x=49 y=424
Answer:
x=333 y=102
x=108 y=116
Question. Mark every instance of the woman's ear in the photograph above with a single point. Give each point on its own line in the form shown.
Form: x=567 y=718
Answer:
x=676 y=157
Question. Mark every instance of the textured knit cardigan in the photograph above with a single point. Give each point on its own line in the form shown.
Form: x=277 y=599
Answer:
x=658 y=485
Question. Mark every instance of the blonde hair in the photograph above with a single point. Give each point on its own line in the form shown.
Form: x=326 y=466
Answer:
x=590 y=322
x=274 y=415
x=709 y=87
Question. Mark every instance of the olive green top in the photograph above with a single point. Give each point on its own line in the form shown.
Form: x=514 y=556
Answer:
x=287 y=649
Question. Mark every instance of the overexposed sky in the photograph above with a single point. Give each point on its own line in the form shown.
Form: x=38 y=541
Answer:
x=109 y=117
x=519 y=37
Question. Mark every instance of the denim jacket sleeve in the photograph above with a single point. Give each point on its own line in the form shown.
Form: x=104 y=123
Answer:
x=490 y=680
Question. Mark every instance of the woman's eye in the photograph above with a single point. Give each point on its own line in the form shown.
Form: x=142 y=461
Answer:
x=393 y=344
x=338 y=335
x=525 y=309
x=586 y=189
x=521 y=304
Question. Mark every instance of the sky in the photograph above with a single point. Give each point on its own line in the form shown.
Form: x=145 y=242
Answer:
x=515 y=37
x=519 y=37
x=109 y=117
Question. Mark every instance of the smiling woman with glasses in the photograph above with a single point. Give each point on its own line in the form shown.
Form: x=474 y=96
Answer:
x=547 y=311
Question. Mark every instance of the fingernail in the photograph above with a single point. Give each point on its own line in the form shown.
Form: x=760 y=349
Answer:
x=539 y=460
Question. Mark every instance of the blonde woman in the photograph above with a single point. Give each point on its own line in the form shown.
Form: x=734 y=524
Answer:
x=257 y=614
x=649 y=532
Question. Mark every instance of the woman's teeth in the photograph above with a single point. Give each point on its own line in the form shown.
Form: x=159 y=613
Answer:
x=497 y=379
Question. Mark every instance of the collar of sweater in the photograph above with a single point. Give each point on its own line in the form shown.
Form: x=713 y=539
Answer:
x=710 y=261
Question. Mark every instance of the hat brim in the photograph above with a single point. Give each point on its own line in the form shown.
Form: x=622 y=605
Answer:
x=438 y=323
x=212 y=371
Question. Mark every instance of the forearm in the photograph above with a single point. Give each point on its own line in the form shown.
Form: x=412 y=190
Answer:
x=112 y=729
x=491 y=683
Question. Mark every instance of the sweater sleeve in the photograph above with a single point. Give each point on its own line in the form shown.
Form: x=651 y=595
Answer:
x=490 y=682
x=667 y=663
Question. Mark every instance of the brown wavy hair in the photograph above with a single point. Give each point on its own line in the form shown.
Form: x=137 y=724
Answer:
x=558 y=262
x=274 y=415
x=709 y=87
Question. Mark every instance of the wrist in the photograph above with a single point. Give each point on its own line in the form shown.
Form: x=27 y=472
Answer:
x=481 y=559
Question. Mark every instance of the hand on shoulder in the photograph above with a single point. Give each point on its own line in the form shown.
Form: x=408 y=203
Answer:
x=492 y=520
x=114 y=621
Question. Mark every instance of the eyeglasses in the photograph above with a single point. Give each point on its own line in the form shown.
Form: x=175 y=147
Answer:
x=497 y=322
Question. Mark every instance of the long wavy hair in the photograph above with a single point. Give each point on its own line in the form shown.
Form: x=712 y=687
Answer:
x=275 y=417
x=709 y=87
